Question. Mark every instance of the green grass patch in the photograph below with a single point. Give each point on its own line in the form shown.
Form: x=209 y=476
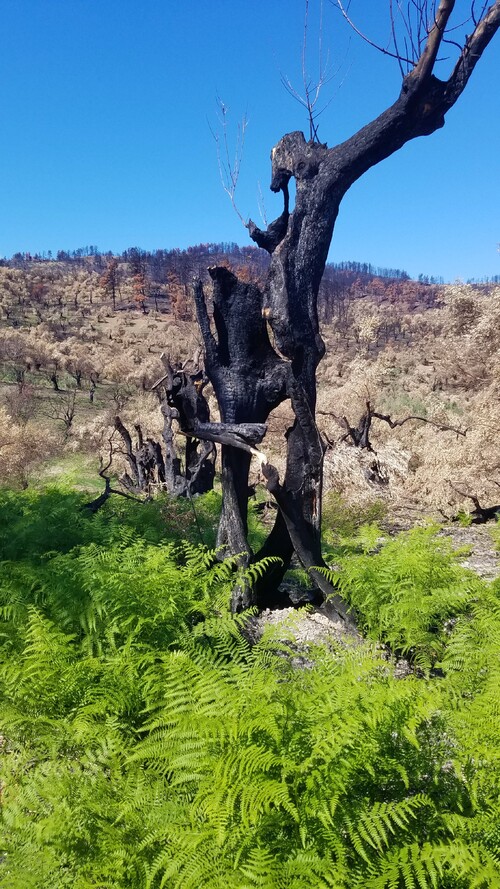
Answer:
x=77 y=471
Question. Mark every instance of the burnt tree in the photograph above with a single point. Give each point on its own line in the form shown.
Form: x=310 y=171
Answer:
x=252 y=373
x=155 y=465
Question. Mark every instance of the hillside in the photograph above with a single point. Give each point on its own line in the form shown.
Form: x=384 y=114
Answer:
x=81 y=338
x=151 y=738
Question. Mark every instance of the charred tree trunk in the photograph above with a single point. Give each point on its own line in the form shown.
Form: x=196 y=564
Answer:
x=172 y=461
x=249 y=379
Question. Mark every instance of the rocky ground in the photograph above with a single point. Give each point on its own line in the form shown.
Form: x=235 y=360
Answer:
x=483 y=558
x=302 y=629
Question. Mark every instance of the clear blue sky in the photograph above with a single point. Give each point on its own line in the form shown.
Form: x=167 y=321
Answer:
x=104 y=135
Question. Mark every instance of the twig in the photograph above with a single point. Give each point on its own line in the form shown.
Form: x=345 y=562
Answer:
x=311 y=91
x=229 y=171
x=384 y=50
x=425 y=29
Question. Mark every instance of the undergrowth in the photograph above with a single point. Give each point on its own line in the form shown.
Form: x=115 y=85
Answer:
x=404 y=589
x=145 y=743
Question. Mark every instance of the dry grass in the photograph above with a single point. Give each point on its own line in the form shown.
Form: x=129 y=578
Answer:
x=440 y=362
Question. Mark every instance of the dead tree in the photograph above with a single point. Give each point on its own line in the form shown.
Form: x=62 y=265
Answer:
x=159 y=465
x=62 y=408
x=96 y=504
x=144 y=458
x=252 y=374
x=359 y=435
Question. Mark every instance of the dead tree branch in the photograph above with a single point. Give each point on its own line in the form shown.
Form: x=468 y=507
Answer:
x=442 y=427
x=312 y=90
x=95 y=505
x=480 y=514
x=359 y=434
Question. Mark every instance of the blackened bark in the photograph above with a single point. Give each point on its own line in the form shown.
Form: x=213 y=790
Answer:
x=303 y=541
x=136 y=479
x=290 y=306
x=249 y=379
x=151 y=467
x=172 y=461
x=95 y=505
x=181 y=398
x=200 y=466
x=480 y=514
x=360 y=434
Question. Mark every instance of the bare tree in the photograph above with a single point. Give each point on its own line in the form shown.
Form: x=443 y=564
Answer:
x=62 y=408
x=251 y=373
x=359 y=435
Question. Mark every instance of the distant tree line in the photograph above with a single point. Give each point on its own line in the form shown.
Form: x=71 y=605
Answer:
x=157 y=262
x=155 y=258
x=162 y=279
x=369 y=270
x=492 y=279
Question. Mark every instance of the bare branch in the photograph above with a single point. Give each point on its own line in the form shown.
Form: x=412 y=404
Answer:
x=229 y=169
x=422 y=105
x=311 y=90
x=425 y=30
x=261 y=204
x=473 y=50
x=360 y=434
x=443 y=427
x=384 y=50
x=423 y=68
x=209 y=340
x=395 y=38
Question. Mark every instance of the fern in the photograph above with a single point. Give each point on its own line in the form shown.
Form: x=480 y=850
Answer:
x=146 y=743
x=404 y=592
x=279 y=761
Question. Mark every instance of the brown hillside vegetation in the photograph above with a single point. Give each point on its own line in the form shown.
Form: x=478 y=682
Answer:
x=81 y=339
x=436 y=358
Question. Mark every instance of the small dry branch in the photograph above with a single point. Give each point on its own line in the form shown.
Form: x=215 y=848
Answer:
x=229 y=167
